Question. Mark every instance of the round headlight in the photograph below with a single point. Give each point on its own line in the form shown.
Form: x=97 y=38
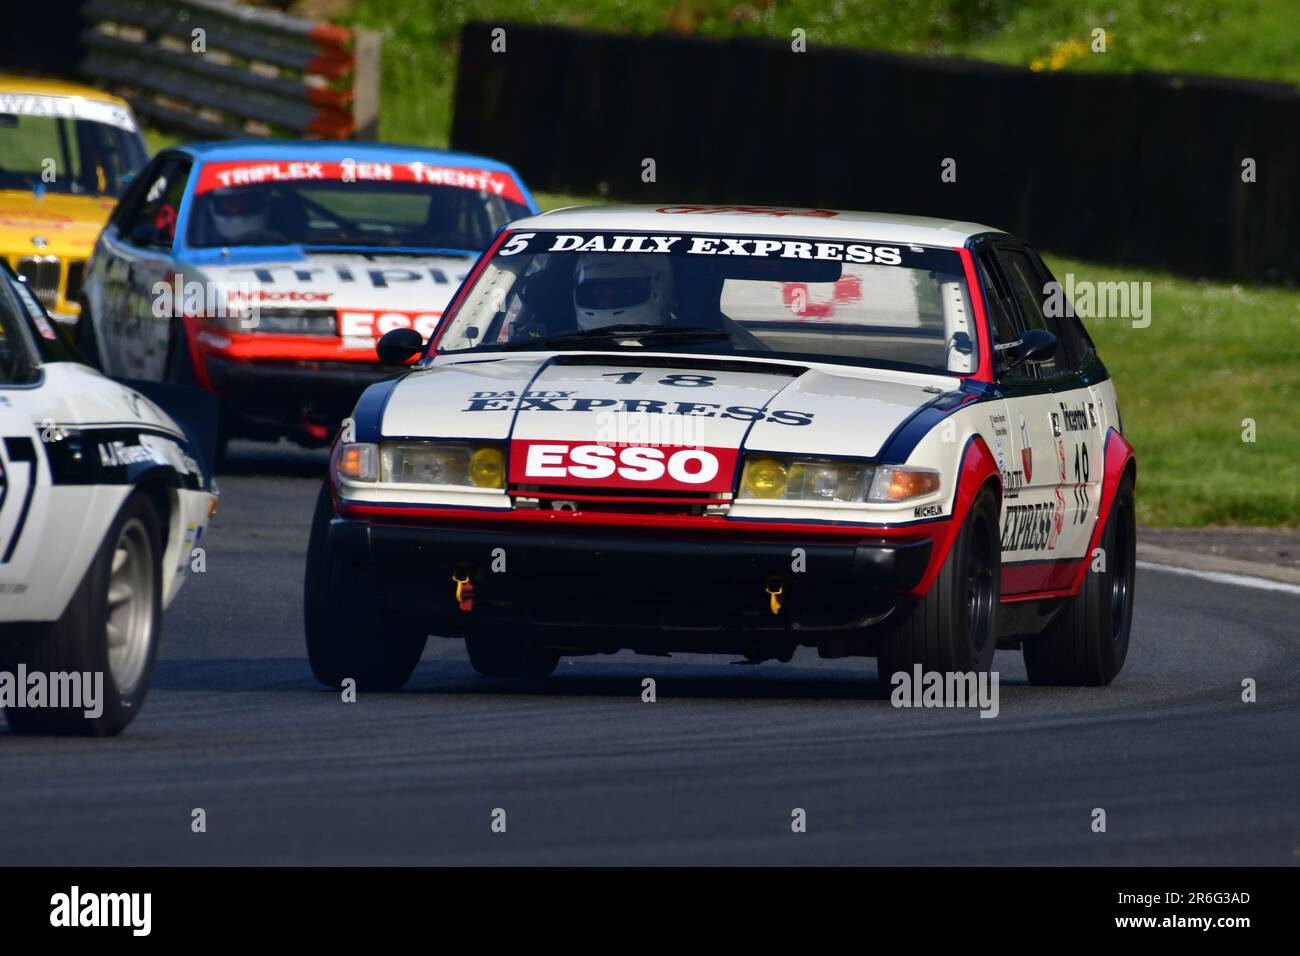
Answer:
x=765 y=477
x=487 y=468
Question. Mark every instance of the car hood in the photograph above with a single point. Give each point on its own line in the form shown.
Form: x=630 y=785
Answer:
x=343 y=280
x=68 y=224
x=673 y=400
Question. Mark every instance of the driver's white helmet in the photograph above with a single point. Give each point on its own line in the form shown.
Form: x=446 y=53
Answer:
x=238 y=214
x=622 y=289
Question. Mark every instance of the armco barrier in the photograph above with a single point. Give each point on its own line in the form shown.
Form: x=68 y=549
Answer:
x=1142 y=168
x=215 y=69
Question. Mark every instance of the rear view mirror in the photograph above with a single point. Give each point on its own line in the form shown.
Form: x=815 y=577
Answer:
x=1035 y=345
x=398 y=346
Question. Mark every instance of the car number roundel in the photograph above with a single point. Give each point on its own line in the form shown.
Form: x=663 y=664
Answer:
x=645 y=467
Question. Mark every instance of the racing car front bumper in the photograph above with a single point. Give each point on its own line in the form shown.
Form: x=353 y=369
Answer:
x=631 y=588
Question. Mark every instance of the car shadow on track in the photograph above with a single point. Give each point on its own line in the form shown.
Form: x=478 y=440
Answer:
x=721 y=681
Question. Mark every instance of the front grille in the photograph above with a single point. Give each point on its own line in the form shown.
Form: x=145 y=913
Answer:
x=72 y=288
x=41 y=273
x=283 y=321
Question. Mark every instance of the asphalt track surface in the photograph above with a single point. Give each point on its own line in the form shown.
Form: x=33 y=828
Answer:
x=587 y=773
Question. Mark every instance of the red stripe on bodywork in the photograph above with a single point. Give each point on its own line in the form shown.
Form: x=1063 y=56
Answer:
x=1037 y=577
x=712 y=523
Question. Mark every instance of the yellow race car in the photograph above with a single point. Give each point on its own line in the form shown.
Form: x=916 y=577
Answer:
x=66 y=152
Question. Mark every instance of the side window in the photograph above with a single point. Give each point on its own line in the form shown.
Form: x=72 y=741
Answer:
x=135 y=192
x=997 y=296
x=1069 y=327
x=152 y=223
x=16 y=367
x=1027 y=290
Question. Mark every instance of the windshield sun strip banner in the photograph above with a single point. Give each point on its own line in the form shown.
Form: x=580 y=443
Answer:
x=229 y=174
x=67 y=107
x=861 y=252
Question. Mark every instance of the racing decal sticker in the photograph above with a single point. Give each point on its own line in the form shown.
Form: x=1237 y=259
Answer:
x=1058 y=511
x=35 y=311
x=567 y=401
x=1026 y=451
x=1027 y=527
x=66 y=107
x=361 y=328
x=1082 y=497
x=115 y=456
x=20 y=450
x=914 y=257
x=42 y=219
x=658 y=467
x=340 y=276
x=229 y=174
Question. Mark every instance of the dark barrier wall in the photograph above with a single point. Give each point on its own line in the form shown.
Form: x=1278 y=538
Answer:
x=1143 y=169
x=40 y=38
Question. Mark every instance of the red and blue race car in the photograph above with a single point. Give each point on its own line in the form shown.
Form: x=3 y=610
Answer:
x=265 y=271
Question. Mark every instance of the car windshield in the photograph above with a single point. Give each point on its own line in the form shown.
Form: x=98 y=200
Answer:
x=60 y=154
x=351 y=204
x=859 y=302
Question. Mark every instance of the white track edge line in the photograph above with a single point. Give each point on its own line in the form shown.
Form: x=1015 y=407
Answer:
x=1223 y=577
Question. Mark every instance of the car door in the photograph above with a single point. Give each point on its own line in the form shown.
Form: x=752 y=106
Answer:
x=135 y=327
x=106 y=288
x=1055 y=426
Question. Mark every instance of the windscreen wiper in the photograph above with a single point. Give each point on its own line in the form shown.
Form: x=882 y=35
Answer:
x=638 y=332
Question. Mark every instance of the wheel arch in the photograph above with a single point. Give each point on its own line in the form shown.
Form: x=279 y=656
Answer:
x=1119 y=462
x=977 y=470
x=161 y=488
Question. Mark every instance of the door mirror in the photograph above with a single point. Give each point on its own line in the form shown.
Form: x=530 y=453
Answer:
x=398 y=346
x=1034 y=345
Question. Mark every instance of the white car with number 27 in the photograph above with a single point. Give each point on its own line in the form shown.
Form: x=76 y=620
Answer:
x=734 y=430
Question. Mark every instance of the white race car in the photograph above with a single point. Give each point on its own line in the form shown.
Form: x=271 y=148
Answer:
x=103 y=501
x=734 y=430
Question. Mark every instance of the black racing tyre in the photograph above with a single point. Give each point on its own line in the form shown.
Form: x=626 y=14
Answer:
x=499 y=654
x=1086 y=643
x=111 y=627
x=348 y=634
x=954 y=627
x=86 y=340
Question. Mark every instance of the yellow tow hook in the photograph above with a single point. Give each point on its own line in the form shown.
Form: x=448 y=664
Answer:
x=464 y=589
x=775 y=589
